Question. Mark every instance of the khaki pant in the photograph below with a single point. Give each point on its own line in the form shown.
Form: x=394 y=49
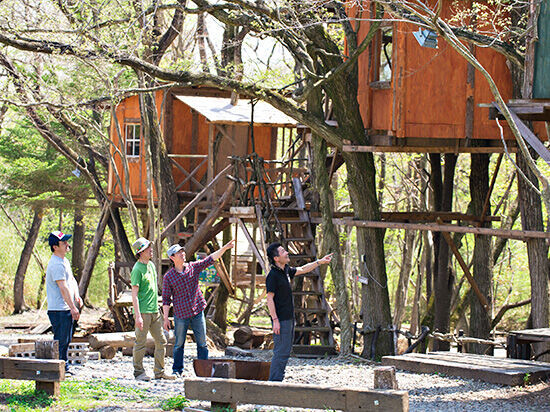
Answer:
x=152 y=322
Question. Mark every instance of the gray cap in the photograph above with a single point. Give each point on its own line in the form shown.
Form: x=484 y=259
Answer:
x=172 y=250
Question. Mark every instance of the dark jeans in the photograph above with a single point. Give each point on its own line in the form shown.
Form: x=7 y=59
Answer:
x=198 y=324
x=282 y=346
x=62 y=325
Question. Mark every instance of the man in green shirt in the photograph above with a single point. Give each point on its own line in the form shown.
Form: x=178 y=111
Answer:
x=146 y=311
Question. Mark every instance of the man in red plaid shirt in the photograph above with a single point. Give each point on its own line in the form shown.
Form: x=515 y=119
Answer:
x=180 y=286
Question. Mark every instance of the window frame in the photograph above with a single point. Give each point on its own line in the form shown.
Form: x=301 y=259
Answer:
x=131 y=139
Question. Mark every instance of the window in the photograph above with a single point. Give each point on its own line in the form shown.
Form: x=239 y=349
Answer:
x=133 y=137
x=383 y=59
x=384 y=73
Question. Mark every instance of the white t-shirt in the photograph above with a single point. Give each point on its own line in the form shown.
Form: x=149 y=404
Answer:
x=59 y=269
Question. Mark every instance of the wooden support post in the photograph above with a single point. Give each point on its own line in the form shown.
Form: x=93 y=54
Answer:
x=384 y=377
x=465 y=269
x=223 y=370
x=252 y=244
x=262 y=234
x=210 y=170
x=46 y=349
x=491 y=187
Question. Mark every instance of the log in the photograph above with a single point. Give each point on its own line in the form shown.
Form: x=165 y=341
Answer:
x=245 y=334
x=107 y=352
x=116 y=339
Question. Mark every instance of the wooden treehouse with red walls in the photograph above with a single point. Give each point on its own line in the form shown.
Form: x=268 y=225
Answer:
x=417 y=94
x=233 y=162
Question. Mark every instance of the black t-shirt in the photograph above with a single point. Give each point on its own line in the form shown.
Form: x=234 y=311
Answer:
x=278 y=282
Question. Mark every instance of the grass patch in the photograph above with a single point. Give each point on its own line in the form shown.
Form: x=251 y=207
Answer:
x=22 y=396
x=174 y=403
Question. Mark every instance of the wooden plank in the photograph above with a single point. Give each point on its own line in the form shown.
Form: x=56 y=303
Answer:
x=47 y=370
x=519 y=365
x=294 y=395
x=466 y=368
x=510 y=234
x=426 y=149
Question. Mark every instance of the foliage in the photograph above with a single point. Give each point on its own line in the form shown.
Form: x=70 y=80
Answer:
x=177 y=402
x=35 y=173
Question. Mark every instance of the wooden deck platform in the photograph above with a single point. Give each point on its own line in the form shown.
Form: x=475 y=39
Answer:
x=502 y=371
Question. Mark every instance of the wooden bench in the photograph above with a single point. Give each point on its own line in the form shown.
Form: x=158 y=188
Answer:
x=47 y=373
x=222 y=391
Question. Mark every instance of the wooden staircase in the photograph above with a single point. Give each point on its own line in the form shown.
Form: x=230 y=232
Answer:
x=313 y=333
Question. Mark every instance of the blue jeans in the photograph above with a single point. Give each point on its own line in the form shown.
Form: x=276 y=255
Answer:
x=198 y=324
x=62 y=325
x=282 y=346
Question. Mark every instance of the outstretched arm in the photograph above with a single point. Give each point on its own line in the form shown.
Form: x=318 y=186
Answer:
x=310 y=266
x=218 y=253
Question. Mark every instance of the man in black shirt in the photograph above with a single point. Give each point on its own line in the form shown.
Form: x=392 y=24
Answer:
x=281 y=305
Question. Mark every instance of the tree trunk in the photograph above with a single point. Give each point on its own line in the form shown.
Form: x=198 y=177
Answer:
x=93 y=251
x=330 y=238
x=19 y=281
x=537 y=249
x=480 y=319
x=78 y=242
x=220 y=316
x=375 y=302
x=443 y=274
x=404 y=277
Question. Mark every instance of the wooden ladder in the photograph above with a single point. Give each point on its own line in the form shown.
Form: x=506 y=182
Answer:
x=313 y=333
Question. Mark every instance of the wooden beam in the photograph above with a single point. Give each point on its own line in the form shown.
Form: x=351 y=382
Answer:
x=295 y=395
x=425 y=149
x=433 y=227
x=193 y=202
x=466 y=271
x=46 y=370
x=200 y=234
x=530 y=137
x=491 y=187
x=262 y=235
x=252 y=244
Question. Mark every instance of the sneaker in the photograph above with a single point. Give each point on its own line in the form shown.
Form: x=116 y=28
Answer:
x=179 y=374
x=166 y=377
x=143 y=377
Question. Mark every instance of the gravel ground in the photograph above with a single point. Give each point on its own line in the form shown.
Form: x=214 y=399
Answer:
x=426 y=392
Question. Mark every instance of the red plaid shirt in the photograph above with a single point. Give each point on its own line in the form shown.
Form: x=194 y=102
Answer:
x=183 y=289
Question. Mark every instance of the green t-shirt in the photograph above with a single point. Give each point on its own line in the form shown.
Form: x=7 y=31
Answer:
x=145 y=276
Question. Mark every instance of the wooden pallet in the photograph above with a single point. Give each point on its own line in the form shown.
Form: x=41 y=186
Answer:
x=502 y=371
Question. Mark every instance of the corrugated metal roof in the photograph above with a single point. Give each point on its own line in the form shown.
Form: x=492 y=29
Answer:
x=220 y=110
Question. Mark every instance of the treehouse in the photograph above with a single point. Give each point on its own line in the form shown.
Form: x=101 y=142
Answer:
x=417 y=94
x=209 y=137
x=201 y=129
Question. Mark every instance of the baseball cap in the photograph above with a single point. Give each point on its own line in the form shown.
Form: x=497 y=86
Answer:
x=140 y=245
x=172 y=250
x=57 y=236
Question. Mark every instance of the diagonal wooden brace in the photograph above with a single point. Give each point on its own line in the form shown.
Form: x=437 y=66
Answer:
x=465 y=269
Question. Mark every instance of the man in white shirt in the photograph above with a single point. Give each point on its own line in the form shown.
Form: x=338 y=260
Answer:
x=62 y=293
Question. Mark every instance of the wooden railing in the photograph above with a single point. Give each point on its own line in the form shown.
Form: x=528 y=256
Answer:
x=190 y=176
